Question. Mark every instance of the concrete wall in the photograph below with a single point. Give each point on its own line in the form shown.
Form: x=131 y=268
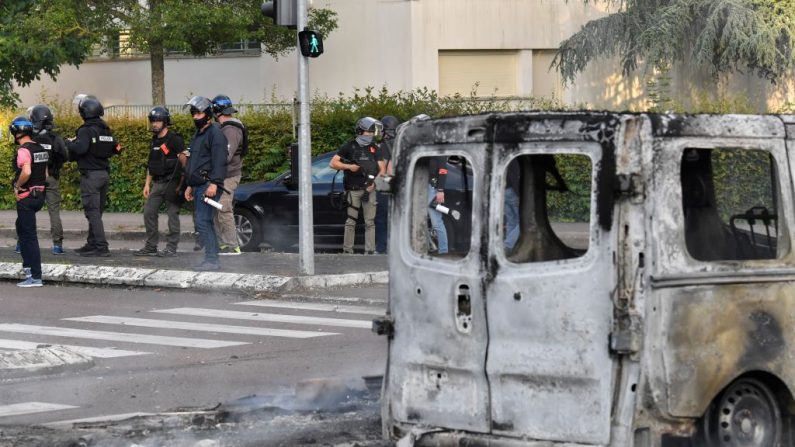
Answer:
x=392 y=43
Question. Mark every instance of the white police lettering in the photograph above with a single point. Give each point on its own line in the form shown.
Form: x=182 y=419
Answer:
x=41 y=157
x=105 y=138
x=155 y=148
x=47 y=147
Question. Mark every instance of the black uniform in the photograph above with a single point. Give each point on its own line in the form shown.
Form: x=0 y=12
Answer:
x=367 y=159
x=92 y=150
x=29 y=205
x=53 y=142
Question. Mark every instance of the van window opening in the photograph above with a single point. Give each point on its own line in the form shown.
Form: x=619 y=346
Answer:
x=730 y=204
x=441 y=212
x=547 y=207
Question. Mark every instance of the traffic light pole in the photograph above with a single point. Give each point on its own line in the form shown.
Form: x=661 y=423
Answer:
x=306 y=243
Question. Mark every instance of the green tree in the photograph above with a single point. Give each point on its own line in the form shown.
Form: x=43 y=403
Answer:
x=723 y=36
x=39 y=36
x=200 y=27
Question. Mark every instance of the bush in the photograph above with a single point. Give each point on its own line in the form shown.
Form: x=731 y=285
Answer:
x=270 y=133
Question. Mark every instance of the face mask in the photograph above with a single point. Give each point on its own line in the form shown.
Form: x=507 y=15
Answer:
x=156 y=128
x=200 y=123
x=364 y=140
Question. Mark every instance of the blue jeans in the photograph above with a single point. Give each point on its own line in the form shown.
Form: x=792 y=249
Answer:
x=511 y=214
x=26 y=233
x=437 y=222
x=204 y=223
x=381 y=222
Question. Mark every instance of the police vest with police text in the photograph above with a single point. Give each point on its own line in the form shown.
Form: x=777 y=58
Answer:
x=102 y=145
x=38 y=166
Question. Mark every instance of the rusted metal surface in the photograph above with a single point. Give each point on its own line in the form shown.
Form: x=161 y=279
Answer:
x=616 y=347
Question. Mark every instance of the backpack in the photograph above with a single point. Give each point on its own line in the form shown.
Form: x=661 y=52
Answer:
x=242 y=150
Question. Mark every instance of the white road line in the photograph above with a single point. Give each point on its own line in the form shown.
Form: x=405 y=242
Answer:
x=30 y=408
x=314 y=306
x=108 y=418
x=118 y=336
x=102 y=353
x=217 y=313
x=205 y=327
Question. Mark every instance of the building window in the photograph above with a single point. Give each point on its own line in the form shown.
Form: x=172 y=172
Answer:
x=546 y=81
x=485 y=72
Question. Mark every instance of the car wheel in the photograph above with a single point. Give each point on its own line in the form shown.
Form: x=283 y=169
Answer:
x=249 y=230
x=746 y=414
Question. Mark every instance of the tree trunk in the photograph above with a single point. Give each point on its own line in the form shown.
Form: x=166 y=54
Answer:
x=158 y=73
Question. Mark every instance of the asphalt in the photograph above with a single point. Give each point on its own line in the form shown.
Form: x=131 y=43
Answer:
x=265 y=271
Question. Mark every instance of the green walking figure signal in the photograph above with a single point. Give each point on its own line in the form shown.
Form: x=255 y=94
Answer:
x=311 y=43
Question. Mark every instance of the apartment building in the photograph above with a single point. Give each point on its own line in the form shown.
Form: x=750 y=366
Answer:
x=501 y=47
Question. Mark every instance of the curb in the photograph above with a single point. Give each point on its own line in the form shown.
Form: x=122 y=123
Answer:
x=129 y=235
x=178 y=279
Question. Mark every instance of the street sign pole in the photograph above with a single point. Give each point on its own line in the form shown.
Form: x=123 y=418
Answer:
x=306 y=243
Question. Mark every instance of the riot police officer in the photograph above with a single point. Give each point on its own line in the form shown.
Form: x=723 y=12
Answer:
x=30 y=177
x=45 y=135
x=358 y=158
x=162 y=184
x=92 y=149
x=204 y=174
x=237 y=136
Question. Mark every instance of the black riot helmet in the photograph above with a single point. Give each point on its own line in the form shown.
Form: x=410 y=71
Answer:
x=222 y=105
x=369 y=124
x=391 y=124
x=20 y=126
x=89 y=107
x=161 y=114
x=200 y=104
x=41 y=117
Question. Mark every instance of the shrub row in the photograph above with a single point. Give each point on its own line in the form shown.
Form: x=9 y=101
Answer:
x=270 y=133
x=333 y=121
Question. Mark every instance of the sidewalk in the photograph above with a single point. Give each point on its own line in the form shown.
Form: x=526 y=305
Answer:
x=247 y=273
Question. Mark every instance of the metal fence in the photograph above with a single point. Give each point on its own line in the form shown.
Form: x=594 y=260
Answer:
x=140 y=111
x=467 y=105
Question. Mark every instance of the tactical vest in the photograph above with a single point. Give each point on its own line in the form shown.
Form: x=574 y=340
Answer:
x=163 y=159
x=38 y=166
x=103 y=144
x=365 y=157
x=242 y=150
x=47 y=140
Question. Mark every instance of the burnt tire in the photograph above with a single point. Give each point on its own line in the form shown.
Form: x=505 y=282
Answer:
x=249 y=229
x=746 y=414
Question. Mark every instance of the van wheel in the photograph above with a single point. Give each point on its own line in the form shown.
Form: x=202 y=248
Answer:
x=746 y=414
x=249 y=231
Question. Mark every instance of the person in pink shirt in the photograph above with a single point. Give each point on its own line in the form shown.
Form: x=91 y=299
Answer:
x=30 y=176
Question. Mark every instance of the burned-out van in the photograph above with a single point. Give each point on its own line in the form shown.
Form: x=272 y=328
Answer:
x=629 y=280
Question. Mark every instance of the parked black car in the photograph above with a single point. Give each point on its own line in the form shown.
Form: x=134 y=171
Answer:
x=268 y=211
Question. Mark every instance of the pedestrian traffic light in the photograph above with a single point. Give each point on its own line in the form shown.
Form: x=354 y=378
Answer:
x=283 y=12
x=311 y=43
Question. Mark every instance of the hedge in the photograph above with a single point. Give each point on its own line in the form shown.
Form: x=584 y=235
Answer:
x=333 y=121
x=270 y=133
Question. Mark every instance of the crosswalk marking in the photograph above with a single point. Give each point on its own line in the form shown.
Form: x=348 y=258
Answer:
x=31 y=407
x=102 y=353
x=314 y=306
x=279 y=318
x=118 y=336
x=205 y=327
